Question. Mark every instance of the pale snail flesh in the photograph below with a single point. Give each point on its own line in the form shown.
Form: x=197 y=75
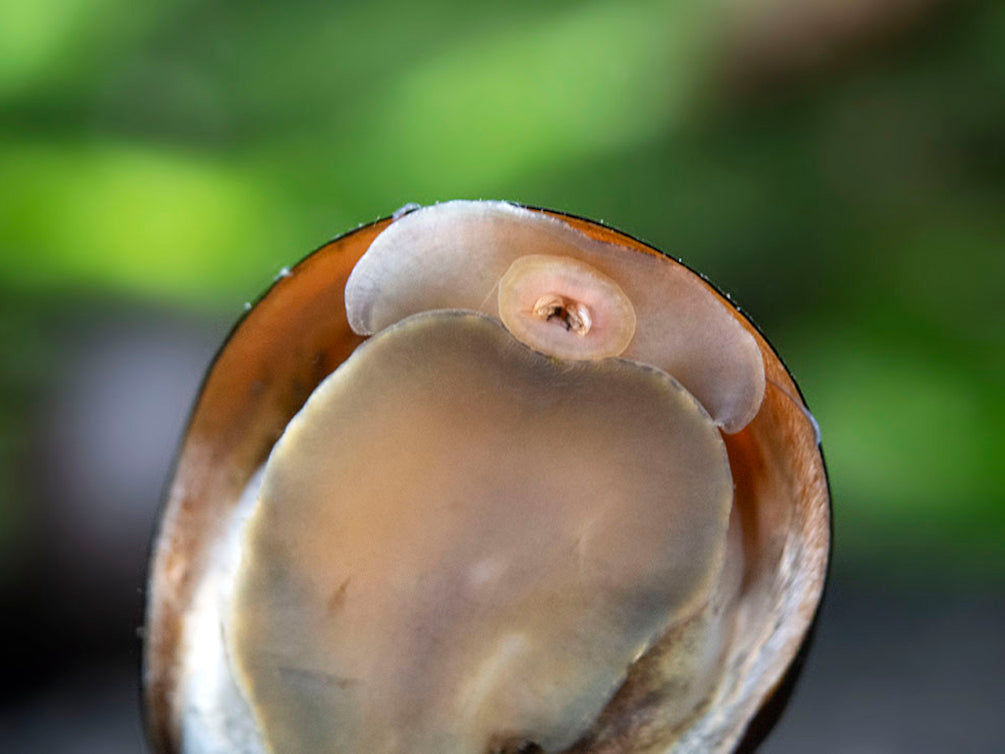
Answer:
x=563 y=498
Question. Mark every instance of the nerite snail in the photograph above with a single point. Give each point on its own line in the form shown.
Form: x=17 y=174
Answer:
x=482 y=478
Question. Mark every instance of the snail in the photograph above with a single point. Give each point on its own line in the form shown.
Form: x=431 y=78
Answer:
x=480 y=478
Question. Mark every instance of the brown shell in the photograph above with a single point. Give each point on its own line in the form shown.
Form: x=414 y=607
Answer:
x=297 y=334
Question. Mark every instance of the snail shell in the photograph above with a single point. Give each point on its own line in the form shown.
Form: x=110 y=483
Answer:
x=634 y=565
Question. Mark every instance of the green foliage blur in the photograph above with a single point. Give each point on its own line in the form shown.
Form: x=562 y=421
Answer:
x=850 y=200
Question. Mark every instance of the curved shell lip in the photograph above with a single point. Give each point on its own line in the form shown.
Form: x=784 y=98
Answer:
x=159 y=738
x=773 y=705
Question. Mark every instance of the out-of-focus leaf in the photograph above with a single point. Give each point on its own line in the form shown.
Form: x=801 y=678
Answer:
x=151 y=220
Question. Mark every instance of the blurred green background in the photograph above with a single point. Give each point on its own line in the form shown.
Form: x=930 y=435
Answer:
x=838 y=166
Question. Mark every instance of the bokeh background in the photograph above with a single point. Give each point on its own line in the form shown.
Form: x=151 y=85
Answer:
x=838 y=166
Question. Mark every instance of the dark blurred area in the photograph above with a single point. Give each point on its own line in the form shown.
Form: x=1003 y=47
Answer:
x=838 y=166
